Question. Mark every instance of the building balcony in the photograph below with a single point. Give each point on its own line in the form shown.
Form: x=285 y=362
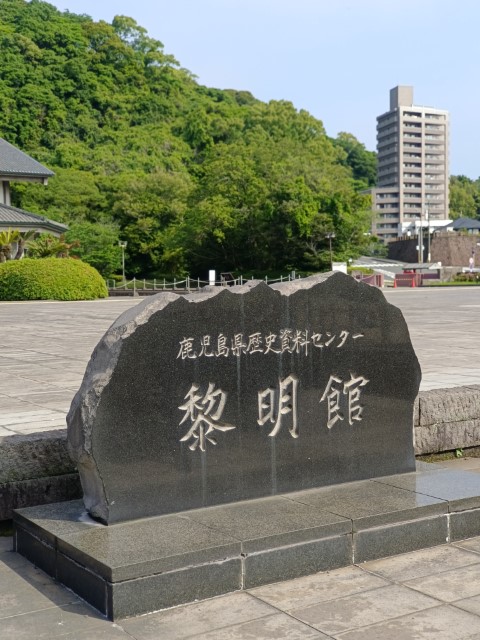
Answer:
x=393 y=142
x=386 y=131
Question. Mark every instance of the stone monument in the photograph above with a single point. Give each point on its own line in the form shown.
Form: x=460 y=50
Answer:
x=243 y=392
x=240 y=436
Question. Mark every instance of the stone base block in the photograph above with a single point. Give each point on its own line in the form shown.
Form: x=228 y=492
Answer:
x=134 y=567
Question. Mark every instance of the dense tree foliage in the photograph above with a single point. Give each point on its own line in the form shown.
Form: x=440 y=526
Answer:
x=191 y=177
x=464 y=197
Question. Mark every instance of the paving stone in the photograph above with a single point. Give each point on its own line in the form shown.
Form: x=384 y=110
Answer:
x=23 y=590
x=473 y=544
x=449 y=586
x=320 y=587
x=10 y=560
x=73 y=621
x=421 y=563
x=114 y=632
x=194 y=619
x=439 y=623
x=277 y=627
x=363 y=609
x=27 y=417
x=470 y=604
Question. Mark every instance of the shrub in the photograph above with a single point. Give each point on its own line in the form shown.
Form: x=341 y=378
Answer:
x=50 y=279
x=467 y=277
x=365 y=270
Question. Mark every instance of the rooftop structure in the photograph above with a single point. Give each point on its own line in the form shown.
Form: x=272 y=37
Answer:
x=17 y=166
x=13 y=218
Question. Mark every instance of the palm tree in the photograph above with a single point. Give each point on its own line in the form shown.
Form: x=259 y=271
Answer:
x=24 y=239
x=7 y=239
x=48 y=246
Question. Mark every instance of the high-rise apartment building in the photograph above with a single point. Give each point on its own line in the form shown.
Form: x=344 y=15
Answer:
x=412 y=177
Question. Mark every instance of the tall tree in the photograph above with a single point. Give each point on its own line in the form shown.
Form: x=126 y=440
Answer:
x=190 y=176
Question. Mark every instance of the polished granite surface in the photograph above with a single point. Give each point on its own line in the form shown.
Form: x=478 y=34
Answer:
x=244 y=392
x=247 y=544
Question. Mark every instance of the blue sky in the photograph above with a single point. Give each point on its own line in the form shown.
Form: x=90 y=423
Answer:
x=338 y=59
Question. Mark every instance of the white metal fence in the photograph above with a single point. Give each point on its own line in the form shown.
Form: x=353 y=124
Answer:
x=188 y=284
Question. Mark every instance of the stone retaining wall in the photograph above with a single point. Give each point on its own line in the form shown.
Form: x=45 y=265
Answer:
x=447 y=419
x=36 y=469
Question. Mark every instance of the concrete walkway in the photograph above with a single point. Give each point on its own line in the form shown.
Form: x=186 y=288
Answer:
x=433 y=593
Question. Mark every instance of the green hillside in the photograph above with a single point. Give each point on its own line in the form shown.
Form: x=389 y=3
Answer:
x=192 y=177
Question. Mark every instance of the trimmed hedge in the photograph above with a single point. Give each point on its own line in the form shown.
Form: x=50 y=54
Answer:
x=50 y=279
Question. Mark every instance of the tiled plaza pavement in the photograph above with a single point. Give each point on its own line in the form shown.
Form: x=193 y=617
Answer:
x=45 y=347
x=433 y=593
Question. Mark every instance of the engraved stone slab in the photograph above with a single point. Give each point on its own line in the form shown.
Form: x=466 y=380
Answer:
x=243 y=392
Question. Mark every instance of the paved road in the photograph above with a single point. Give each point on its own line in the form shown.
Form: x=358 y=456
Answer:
x=45 y=346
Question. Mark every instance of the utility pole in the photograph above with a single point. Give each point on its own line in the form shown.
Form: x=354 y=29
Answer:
x=123 y=245
x=429 y=257
x=420 y=239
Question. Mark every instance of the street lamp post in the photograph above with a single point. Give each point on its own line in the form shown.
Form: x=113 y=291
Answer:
x=429 y=257
x=330 y=235
x=420 y=239
x=123 y=245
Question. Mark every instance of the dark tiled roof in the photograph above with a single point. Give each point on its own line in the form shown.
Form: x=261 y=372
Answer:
x=14 y=162
x=17 y=218
x=465 y=223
